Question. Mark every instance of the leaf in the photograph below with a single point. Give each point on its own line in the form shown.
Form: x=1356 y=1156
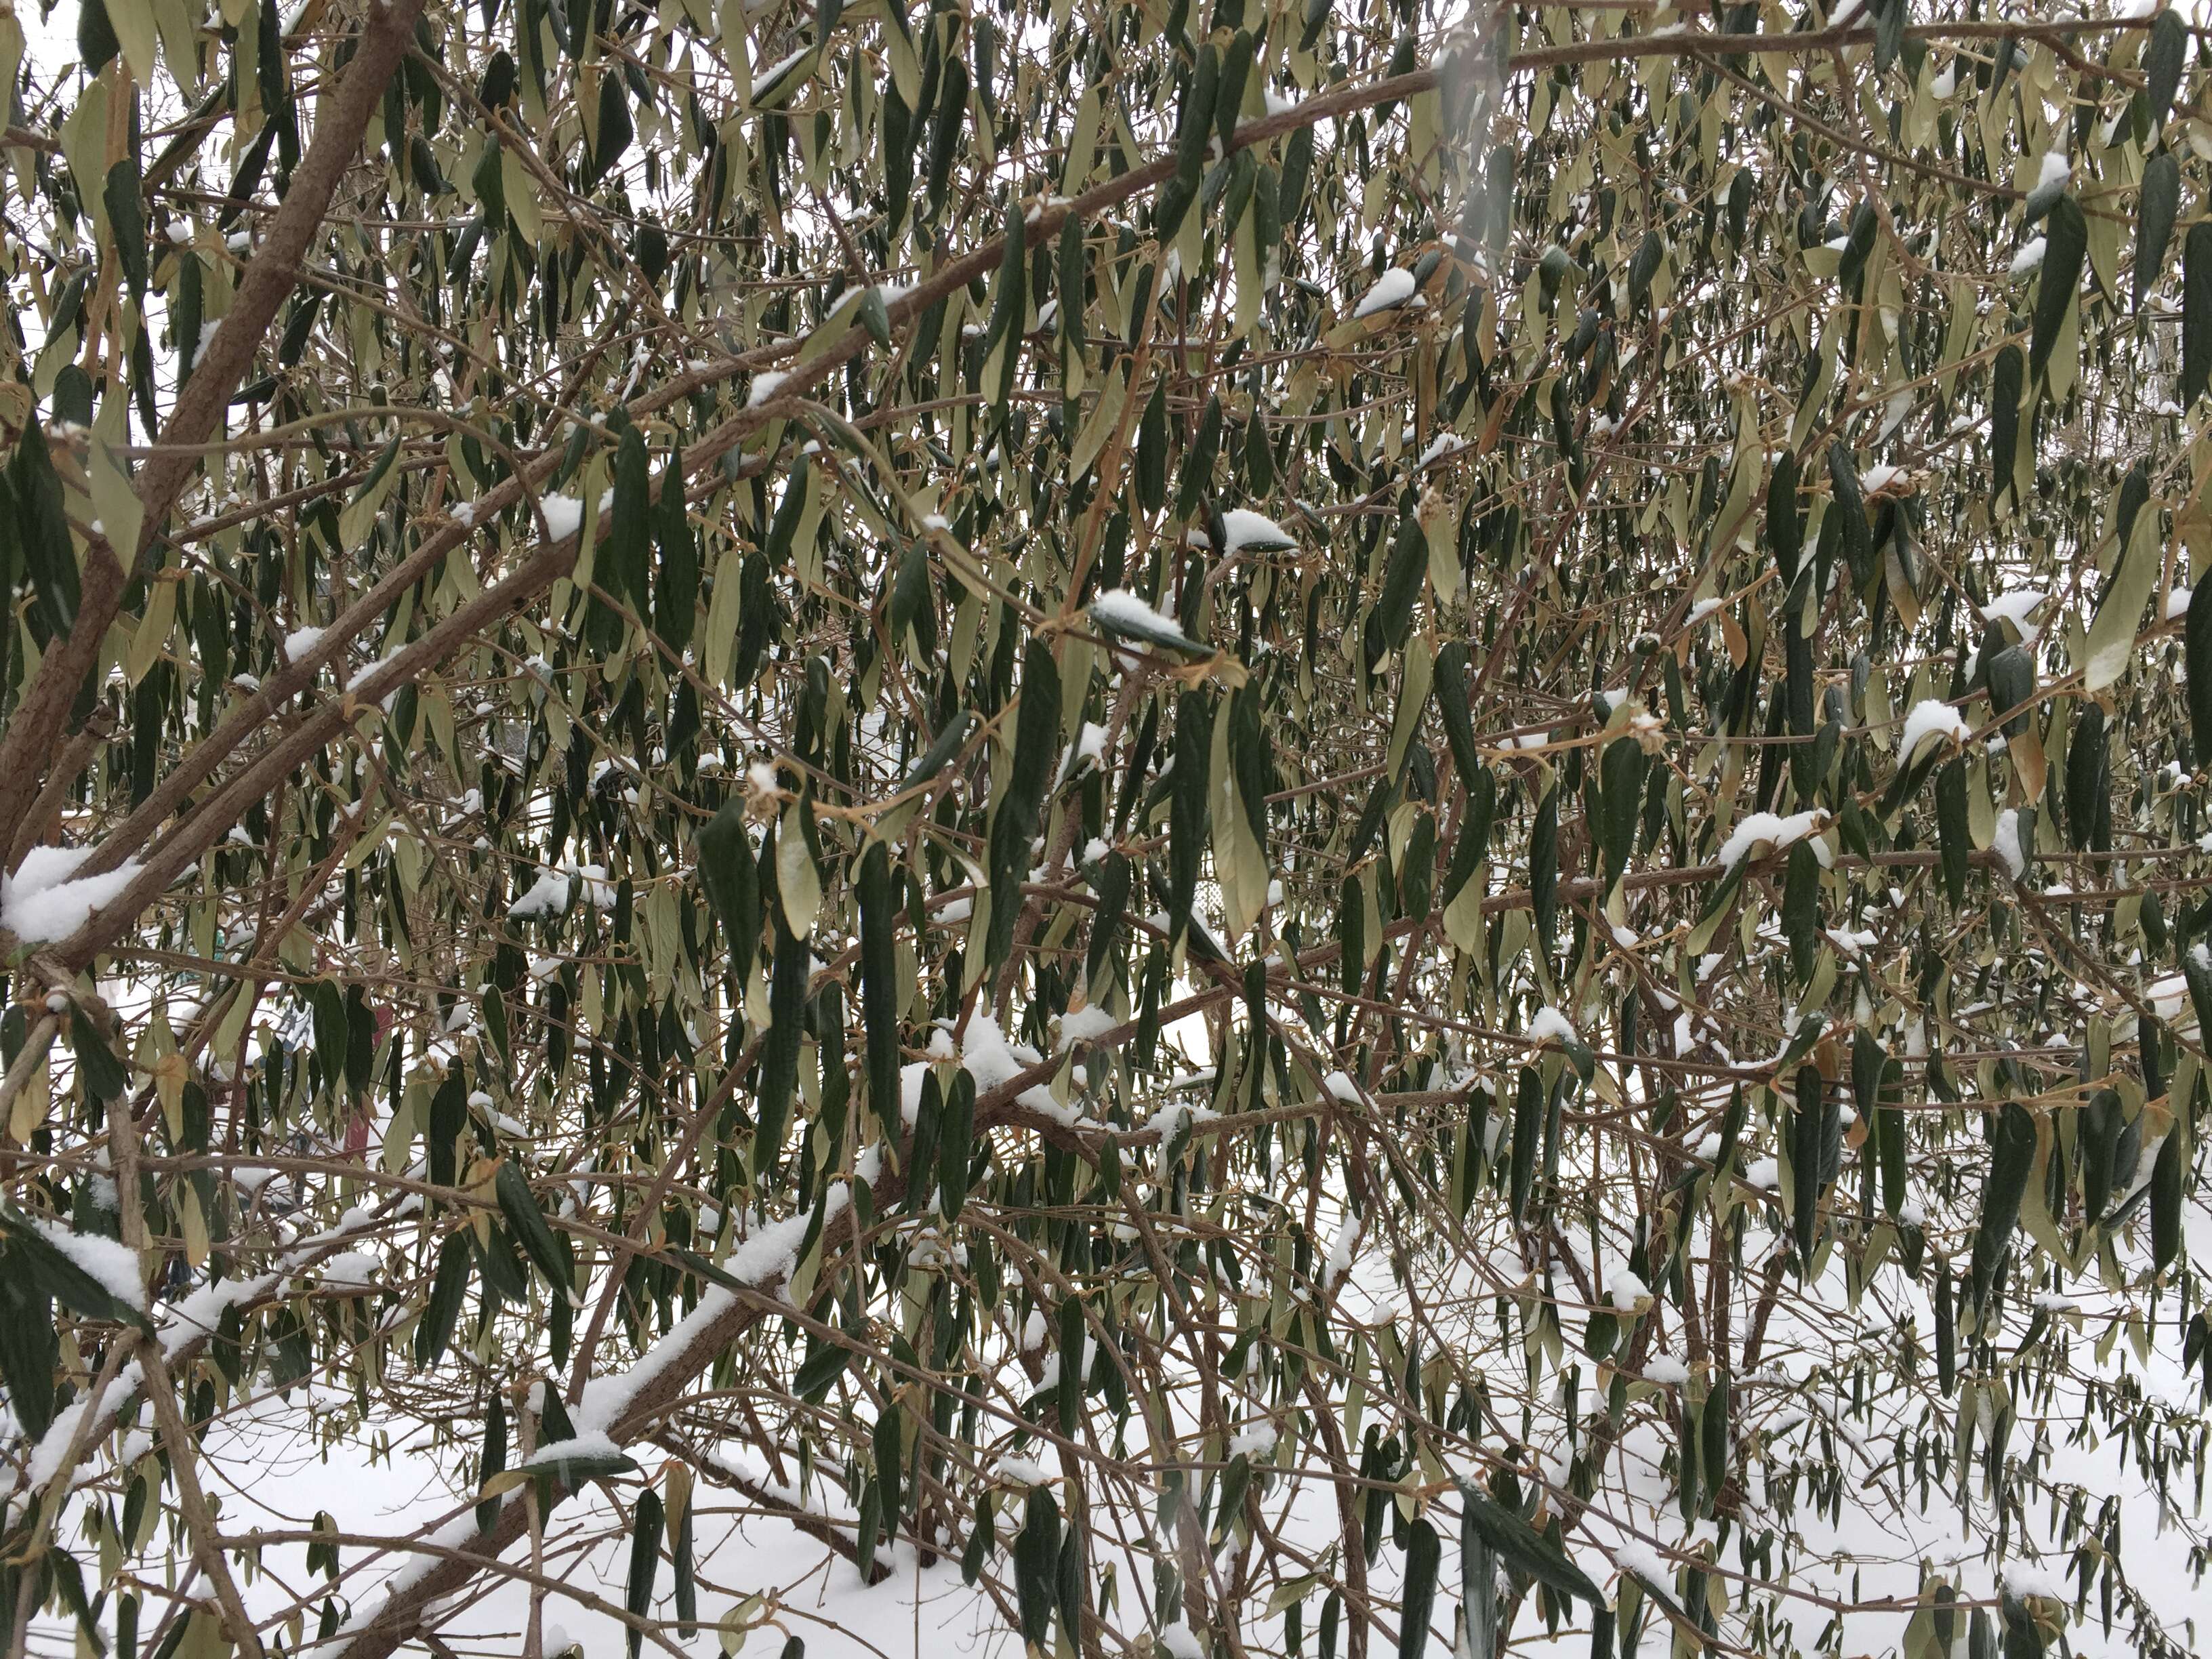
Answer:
x=626 y=555
x=1622 y=792
x=493 y=1462
x=2155 y=210
x=2196 y=650
x=30 y=1352
x=1129 y=622
x=2012 y=1157
x=48 y=553
x=449 y=1109
x=2007 y=379
x=644 y=1563
x=879 y=993
x=2196 y=312
x=2165 y=1196
x=104 y=1077
x=2111 y=641
x=1014 y=823
x=1402 y=581
x=434 y=1329
x=1452 y=707
x=545 y=1248
x=729 y=870
x=1785 y=519
x=1423 y=1551
x=1544 y=865
x=955 y=1145
x=359 y=516
x=940 y=752
x=1478 y=1584
x=1036 y=1561
x=1953 y=840
x=2163 y=60
x=2066 y=247
x=50 y=1269
x=778 y=1067
x=798 y=880
x=121 y=197
x=1522 y=1548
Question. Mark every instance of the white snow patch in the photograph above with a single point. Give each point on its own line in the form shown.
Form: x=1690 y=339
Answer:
x=1393 y=288
x=1931 y=717
x=1778 y=831
x=44 y=900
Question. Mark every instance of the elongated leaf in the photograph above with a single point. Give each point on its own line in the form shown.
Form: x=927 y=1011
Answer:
x=2164 y=57
x=729 y=870
x=2196 y=310
x=53 y=1264
x=2160 y=201
x=434 y=1329
x=1522 y=1548
x=493 y=1463
x=2165 y=1197
x=880 y=994
x=644 y=1563
x=544 y=1247
x=2012 y=1156
x=1423 y=1551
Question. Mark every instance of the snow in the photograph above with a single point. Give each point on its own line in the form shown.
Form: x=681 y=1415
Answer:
x=987 y=1056
x=1636 y=1557
x=1246 y=530
x=1341 y=1087
x=352 y=1270
x=2176 y=603
x=1393 y=288
x=564 y=516
x=1121 y=609
x=1931 y=718
x=761 y=1261
x=2025 y=262
x=115 y=1266
x=302 y=640
x=1443 y=444
x=2016 y=607
x=765 y=386
x=1777 y=831
x=1550 y=1025
x=1019 y=1471
x=199 y=349
x=547 y=897
x=2006 y=843
x=2056 y=169
x=1625 y=1290
x=592 y=1443
x=2026 y=1578
x=765 y=81
x=1085 y=1025
x=1178 y=1642
x=1665 y=1368
x=190 y=1320
x=1256 y=1442
x=46 y=901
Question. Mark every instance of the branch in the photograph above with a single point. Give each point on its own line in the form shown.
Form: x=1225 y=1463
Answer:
x=40 y=718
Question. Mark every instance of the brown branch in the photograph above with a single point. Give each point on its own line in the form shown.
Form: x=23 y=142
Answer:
x=28 y=749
